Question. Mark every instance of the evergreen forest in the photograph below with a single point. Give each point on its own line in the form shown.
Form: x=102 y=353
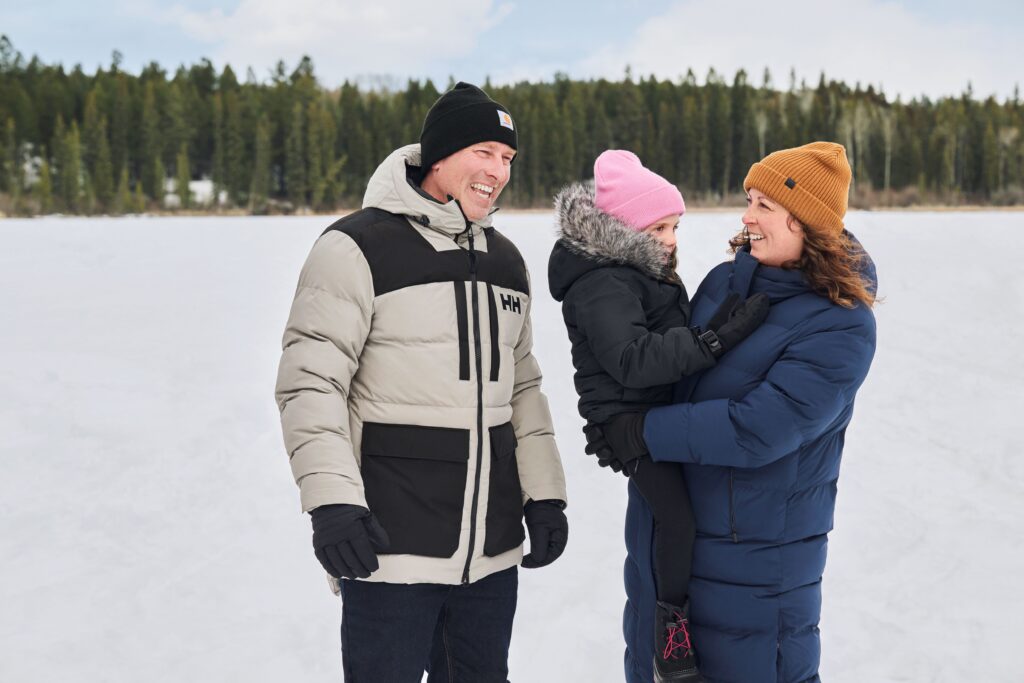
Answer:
x=112 y=142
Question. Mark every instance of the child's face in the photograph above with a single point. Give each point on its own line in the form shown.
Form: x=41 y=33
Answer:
x=664 y=232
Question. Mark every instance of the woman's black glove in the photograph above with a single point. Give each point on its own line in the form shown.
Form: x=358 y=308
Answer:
x=549 y=532
x=734 y=321
x=346 y=540
x=619 y=442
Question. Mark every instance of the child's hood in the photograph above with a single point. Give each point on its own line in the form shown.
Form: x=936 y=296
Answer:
x=589 y=238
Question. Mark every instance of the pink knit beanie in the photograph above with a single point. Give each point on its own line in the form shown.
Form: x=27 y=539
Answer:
x=635 y=195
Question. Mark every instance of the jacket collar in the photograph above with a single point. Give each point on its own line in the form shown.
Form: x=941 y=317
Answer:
x=391 y=189
x=749 y=276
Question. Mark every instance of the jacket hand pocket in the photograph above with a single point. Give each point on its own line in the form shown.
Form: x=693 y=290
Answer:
x=504 y=530
x=415 y=482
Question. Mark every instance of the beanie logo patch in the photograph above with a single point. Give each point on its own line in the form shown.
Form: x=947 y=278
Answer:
x=790 y=183
x=505 y=120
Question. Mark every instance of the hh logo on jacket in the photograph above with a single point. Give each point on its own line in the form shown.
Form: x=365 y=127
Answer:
x=510 y=302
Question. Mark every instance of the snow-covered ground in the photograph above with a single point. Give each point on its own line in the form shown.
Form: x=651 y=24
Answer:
x=150 y=530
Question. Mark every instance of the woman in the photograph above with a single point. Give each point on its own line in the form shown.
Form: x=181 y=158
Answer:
x=761 y=433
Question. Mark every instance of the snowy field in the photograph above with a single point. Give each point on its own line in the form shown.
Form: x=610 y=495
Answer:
x=150 y=530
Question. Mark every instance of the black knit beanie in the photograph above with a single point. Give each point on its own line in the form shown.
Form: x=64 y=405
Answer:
x=461 y=117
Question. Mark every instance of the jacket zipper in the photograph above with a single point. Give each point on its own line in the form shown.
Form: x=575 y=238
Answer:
x=732 y=508
x=479 y=400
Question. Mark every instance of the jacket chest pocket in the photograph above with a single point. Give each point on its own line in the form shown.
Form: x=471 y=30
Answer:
x=504 y=530
x=415 y=482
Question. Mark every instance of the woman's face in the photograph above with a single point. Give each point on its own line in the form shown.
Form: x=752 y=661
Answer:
x=775 y=235
x=664 y=233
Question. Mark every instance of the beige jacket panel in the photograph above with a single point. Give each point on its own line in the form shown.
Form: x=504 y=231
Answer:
x=540 y=467
x=327 y=328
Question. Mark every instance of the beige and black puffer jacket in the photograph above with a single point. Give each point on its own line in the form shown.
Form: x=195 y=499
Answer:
x=407 y=383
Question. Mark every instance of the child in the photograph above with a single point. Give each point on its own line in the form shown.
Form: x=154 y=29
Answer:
x=626 y=310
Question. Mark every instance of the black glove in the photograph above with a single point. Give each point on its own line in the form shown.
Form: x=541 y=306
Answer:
x=346 y=539
x=619 y=442
x=597 y=445
x=734 y=321
x=549 y=532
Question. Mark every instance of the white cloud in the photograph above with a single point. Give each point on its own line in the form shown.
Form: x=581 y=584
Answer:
x=870 y=41
x=343 y=37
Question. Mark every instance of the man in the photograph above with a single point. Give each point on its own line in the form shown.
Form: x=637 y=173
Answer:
x=412 y=411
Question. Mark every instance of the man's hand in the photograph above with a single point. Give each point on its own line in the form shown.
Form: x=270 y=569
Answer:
x=549 y=532
x=346 y=539
x=618 y=443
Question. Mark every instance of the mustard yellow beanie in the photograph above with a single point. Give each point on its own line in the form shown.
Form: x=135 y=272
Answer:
x=812 y=182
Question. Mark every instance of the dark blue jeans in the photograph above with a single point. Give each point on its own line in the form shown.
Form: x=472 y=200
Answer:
x=392 y=633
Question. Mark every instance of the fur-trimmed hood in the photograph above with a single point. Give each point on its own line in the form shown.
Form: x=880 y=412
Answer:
x=589 y=238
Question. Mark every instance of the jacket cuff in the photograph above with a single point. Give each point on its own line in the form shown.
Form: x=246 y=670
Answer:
x=551 y=492
x=323 y=488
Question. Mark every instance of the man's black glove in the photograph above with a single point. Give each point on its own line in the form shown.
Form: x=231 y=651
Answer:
x=549 y=532
x=619 y=442
x=346 y=540
x=734 y=321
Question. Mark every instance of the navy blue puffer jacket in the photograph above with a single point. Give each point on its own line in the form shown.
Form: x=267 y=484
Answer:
x=761 y=436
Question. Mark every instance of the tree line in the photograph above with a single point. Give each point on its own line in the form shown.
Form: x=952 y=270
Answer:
x=112 y=142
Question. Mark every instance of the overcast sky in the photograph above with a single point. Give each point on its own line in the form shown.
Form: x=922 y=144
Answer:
x=909 y=47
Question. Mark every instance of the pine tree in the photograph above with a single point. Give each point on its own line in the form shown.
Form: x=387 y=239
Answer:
x=235 y=177
x=44 y=189
x=990 y=161
x=888 y=128
x=120 y=123
x=861 y=134
x=315 y=154
x=138 y=199
x=631 y=120
x=574 y=109
x=123 y=198
x=71 y=170
x=151 y=152
x=692 y=161
x=1008 y=135
x=354 y=138
x=295 y=172
x=12 y=179
x=103 y=169
x=160 y=182
x=335 y=188
x=182 y=177
x=91 y=133
x=58 y=146
x=259 y=192
x=219 y=183
x=719 y=133
x=740 y=147
x=87 y=201
x=175 y=127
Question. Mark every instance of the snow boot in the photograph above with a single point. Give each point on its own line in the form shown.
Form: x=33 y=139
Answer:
x=674 y=657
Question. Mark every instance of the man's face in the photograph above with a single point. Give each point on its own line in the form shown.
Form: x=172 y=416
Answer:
x=474 y=175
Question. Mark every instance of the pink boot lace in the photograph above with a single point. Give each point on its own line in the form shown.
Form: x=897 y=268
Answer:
x=679 y=629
